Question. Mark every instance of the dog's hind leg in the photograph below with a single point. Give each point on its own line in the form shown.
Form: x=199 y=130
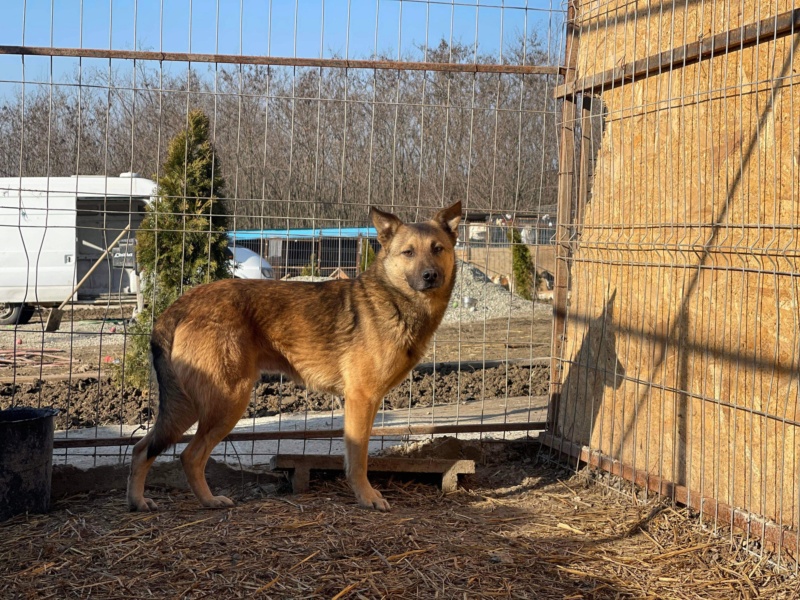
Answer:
x=359 y=413
x=166 y=431
x=140 y=465
x=211 y=430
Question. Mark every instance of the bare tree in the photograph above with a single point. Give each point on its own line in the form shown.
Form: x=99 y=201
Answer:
x=308 y=145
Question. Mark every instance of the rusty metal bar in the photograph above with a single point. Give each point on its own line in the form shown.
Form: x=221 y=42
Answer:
x=315 y=434
x=771 y=533
x=765 y=30
x=566 y=175
x=281 y=61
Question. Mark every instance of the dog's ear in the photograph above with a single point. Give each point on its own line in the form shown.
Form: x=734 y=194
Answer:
x=386 y=224
x=449 y=218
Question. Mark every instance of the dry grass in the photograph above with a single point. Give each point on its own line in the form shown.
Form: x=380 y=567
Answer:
x=522 y=530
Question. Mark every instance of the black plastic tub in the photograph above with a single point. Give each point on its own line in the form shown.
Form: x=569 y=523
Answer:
x=26 y=460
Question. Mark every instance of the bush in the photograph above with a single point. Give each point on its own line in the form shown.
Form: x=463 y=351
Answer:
x=182 y=240
x=521 y=266
x=367 y=255
x=311 y=269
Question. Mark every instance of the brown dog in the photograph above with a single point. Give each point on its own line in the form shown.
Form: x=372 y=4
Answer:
x=357 y=338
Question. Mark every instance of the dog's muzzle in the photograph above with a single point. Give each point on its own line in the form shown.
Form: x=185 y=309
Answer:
x=429 y=279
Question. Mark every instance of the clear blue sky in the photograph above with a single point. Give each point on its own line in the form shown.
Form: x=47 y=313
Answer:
x=307 y=28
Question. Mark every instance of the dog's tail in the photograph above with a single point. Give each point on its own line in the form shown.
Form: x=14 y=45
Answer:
x=172 y=399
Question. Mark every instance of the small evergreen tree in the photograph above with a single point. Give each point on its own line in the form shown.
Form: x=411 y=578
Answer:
x=182 y=240
x=521 y=265
x=367 y=254
x=311 y=269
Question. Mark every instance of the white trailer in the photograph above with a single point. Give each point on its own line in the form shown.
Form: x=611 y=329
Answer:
x=53 y=229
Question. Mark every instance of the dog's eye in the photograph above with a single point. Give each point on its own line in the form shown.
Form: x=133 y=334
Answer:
x=438 y=249
x=408 y=253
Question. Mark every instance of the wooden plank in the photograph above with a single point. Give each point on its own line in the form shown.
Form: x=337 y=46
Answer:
x=765 y=30
x=278 y=61
x=301 y=465
x=383 y=464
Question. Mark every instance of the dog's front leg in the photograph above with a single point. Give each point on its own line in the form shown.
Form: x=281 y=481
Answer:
x=359 y=413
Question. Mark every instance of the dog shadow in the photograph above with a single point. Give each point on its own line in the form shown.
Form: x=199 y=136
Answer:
x=595 y=367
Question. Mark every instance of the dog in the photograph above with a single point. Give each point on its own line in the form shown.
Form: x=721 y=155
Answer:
x=356 y=338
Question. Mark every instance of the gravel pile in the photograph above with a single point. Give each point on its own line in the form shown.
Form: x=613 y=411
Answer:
x=491 y=301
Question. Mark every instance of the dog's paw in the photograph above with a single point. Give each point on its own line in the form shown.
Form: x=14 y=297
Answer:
x=142 y=505
x=381 y=505
x=373 y=499
x=218 y=502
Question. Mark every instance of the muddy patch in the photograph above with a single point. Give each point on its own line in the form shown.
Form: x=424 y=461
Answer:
x=90 y=401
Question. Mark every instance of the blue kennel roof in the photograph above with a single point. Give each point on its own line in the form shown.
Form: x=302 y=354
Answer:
x=295 y=234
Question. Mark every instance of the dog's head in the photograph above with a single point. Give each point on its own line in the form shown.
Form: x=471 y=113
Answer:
x=419 y=255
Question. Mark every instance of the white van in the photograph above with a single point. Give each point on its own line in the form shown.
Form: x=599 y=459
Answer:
x=53 y=229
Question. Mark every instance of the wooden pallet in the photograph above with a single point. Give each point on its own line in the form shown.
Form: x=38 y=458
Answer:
x=300 y=466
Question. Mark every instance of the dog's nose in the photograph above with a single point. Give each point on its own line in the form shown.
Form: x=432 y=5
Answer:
x=430 y=276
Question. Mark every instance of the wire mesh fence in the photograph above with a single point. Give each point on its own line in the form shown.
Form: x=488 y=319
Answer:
x=265 y=130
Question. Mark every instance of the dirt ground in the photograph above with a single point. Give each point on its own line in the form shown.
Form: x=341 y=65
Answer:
x=87 y=401
x=518 y=528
